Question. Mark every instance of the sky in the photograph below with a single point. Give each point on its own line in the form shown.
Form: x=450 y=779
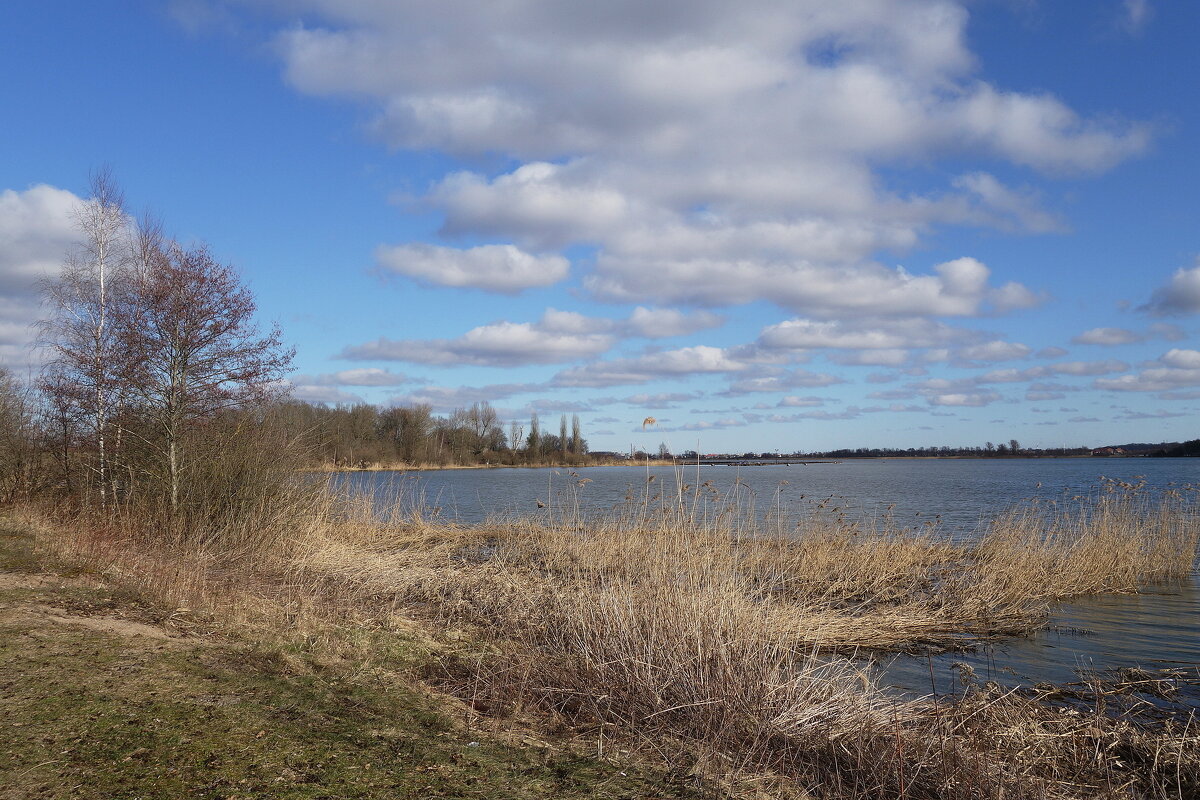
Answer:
x=769 y=225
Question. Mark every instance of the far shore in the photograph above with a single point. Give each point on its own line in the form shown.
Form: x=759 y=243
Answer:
x=402 y=467
x=661 y=462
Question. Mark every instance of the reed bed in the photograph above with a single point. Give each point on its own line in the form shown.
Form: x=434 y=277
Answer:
x=723 y=644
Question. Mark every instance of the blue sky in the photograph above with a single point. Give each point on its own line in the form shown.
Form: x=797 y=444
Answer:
x=768 y=225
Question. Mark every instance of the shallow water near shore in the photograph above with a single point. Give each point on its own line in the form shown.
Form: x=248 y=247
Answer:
x=1158 y=628
x=1154 y=630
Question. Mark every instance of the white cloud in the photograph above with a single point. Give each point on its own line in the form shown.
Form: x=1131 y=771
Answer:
x=660 y=399
x=448 y=398
x=801 y=334
x=957 y=288
x=1180 y=296
x=558 y=337
x=872 y=358
x=963 y=399
x=492 y=267
x=500 y=344
x=366 y=376
x=989 y=201
x=1088 y=368
x=1108 y=336
x=1067 y=368
x=710 y=152
x=994 y=351
x=781 y=381
x=1175 y=369
x=663 y=323
x=705 y=425
x=697 y=360
x=1177 y=358
x=317 y=393
x=37 y=230
x=793 y=401
x=544 y=205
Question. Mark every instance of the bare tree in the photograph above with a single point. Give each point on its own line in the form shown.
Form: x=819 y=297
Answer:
x=563 y=441
x=516 y=435
x=83 y=367
x=191 y=349
x=485 y=427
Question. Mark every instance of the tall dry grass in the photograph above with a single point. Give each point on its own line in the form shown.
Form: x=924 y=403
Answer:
x=722 y=638
x=695 y=631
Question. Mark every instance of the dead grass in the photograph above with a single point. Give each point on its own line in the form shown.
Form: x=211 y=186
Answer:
x=692 y=631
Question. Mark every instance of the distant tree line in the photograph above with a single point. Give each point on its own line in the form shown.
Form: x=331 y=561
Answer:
x=364 y=435
x=1009 y=449
x=1189 y=449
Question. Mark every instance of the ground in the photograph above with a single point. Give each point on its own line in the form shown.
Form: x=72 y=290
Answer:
x=105 y=695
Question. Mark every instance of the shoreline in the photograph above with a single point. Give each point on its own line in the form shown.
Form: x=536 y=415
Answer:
x=737 y=462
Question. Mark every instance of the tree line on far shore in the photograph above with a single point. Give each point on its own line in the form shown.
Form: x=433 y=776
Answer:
x=364 y=435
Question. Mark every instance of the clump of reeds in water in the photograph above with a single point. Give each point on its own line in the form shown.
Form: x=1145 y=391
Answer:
x=1115 y=541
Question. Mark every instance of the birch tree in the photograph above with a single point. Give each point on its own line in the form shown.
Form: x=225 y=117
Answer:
x=83 y=367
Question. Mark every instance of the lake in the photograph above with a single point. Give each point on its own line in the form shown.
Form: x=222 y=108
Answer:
x=1159 y=627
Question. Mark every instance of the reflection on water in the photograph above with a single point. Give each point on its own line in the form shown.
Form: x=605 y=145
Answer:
x=1157 y=628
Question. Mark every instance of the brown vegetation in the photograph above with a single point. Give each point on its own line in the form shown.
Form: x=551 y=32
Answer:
x=715 y=644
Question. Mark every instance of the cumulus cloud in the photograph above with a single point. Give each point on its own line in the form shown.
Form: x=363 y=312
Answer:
x=697 y=360
x=448 y=398
x=1180 y=296
x=988 y=201
x=963 y=399
x=660 y=399
x=37 y=230
x=872 y=358
x=1108 y=336
x=956 y=288
x=781 y=381
x=1175 y=369
x=709 y=152
x=803 y=334
x=994 y=351
x=794 y=401
x=1064 y=368
x=367 y=376
x=704 y=425
x=326 y=395
x=500 y=344
x=492 y=267
x=558 y=337
x=663 y=323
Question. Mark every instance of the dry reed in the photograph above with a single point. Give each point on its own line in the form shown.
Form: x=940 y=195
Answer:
x=695 y=631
